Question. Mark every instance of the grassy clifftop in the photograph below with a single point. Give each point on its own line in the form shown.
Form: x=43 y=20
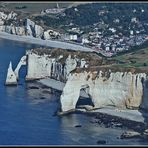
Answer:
x=92 y=58
x=136 y=61
x=137 y=58
x=108 y=69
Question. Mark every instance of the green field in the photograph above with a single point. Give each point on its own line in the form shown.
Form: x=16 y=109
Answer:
x=137 y=58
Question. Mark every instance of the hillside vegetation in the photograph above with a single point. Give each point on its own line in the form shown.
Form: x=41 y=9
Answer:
x=117 y=15
x=138 y=58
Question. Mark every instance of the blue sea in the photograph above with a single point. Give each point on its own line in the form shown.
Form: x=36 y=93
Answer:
x=26 y=119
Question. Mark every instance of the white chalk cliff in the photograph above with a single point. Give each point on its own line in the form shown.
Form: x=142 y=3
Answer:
x=39 y=66
x=106 y=86
x=11 y=77
x=11 y=15
x=9 y=25
x=120 y=89
x=71 y=64
x=44 y=65
x=21 y=63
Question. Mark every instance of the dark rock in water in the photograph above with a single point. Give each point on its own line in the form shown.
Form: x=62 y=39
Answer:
x=78 y=126
x=109 y=121
x=118 y=125
x=33 y=87
x=11 y=84
x=101 y=142
x=46 y=92
x=42 y=98
x=60 y=113
x=130 y=134
x=45 y=87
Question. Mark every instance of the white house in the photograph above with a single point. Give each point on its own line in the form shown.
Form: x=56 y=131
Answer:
x=73 y=37
x=134 y=19
x=107 y=48
x=142 y=10
x=112 y=30
x=85 y=40
x=131 y=32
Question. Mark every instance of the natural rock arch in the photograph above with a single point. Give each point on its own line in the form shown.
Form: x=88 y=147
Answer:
x=86 y=100
x=20 y=64
x=12 y=76
x=121 y=91
x=71 y=95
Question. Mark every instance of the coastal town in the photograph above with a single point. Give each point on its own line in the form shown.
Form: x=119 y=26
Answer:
x=103 y=38
x=107 y=46
x=107 y=37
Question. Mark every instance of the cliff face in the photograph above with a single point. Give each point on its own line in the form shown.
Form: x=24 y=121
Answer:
x=55 y=63
x=115 y=86
x=120 y=89
x=48 y=63
x=8 y=16
x=12 y=23
x=11 y=78
x=38 y=66
x=29 y=29
x=144 y=104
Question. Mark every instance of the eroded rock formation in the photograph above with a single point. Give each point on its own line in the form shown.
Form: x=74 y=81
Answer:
x=12 y=24
x=11 y=77
x=55 y=63
x=8 y=16
x=39 y=66
x=120 y=89
x=21 y=63
x=105 y=85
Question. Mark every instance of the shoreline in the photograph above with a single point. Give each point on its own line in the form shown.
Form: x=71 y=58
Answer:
x=57 y=85
x=48 y=43
x=127 y=114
